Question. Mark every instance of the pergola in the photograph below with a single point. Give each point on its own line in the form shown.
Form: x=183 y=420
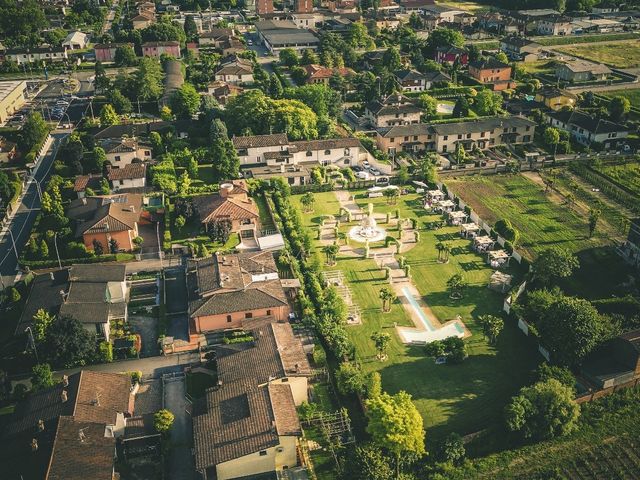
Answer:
x=469 y=229
x=435 y=195
x=444 y=206
x=457 y=217
x=483 y=243
x=497 y=258
x=500 y=281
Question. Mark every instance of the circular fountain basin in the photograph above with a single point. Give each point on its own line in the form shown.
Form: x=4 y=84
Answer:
x=364 y=234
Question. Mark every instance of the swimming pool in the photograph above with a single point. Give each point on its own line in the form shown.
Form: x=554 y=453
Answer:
x=423 y=316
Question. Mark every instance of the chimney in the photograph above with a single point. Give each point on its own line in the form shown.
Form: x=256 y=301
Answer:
x=225 y=189
x=63 y=396
x=52 y=276
x=34 y=444
x=41 y=425
x=132 y=208
x=84 y=200
x=65 y=380
x=282 y=168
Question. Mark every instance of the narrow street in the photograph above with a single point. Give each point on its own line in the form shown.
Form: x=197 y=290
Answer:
x=181 y=464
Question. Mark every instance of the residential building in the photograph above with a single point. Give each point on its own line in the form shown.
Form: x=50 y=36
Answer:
x=231 y=204
x=223 y=91
x=303 y=6
x=12 y=98
x=132 y=176
x=555 y=98
x=630 y=250
x=104 y=218
x=247 y=427
x=414 y=81
x=76 y=41
x=45 y=53
x=264 y=7
x=106 y=52
x=214 y=37
x=415 y=5
x=520 y=48
x=125 y=150
x=268 y=156
x=319 y=74
x=68 y=430
x=277 y=35
x=554 y=25
x=92 y=294
x=465 y=19
x=142 y=20
x=448 y=54
x=582 y=71
x=82 y=182
x=156 y=49
x=396 y=109
x=444 y=13
x=226 y=290
x=587 y=129
x=493 y=73
x=444 y=137
x=235 y=71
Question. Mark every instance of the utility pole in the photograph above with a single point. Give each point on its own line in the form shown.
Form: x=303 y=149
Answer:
x=55 y=242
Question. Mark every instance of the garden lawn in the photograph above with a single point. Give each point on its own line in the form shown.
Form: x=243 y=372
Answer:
x=623 y=54
x=462 y=398
x=325 y=203
x=538 y=66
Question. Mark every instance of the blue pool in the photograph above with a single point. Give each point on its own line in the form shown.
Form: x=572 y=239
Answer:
x=423 y=317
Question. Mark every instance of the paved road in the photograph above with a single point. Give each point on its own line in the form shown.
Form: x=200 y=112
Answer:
x=20 y=225
x=153 y=366
x=110 y=16
x=181 y=465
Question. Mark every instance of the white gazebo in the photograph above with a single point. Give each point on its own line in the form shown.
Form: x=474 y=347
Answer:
x=483 y=243
x=457 y=217
x=435 y=195
x=444 y=206
x=469 y=230
x=500 y=281
x=498 y=258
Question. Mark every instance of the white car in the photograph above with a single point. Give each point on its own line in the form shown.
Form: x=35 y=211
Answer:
x=374 y=171
x=250 y=42
x=365 y=164
x=362 y=175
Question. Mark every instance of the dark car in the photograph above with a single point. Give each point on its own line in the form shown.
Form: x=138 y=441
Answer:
x=357 y=168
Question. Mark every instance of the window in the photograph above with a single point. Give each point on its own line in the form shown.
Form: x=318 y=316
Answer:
x=228 y=318
x=327 y=152
x=459 y=136
x=268 y=312
x=249 y=314
x=514 y=129
x=468 y=135
x=446 y=137
x=415 y=138
x=505 y=130
x=406 y=139
x=482 y=134
x=528 y=128
x=309 y=153
x=444 y=148
x=391 y=140
x=117 y=158
x=347 y=151
x=147 y=153
x=263 y=453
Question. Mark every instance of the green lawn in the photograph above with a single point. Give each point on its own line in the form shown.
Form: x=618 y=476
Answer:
x=538 y=66
x=325 y=203
x=462 y=398
x=623 y=54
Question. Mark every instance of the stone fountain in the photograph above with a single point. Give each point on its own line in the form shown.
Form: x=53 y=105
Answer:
x=368 y=230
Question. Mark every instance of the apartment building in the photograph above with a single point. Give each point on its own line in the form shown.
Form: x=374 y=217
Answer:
x=396 y=109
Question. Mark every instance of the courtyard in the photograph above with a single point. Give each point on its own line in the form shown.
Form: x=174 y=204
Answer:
x=463 y=398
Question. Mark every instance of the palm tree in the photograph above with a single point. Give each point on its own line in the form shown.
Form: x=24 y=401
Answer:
x=387 y=296
x=491 y=327
x=456 y=283
x=446 y=250
x=331 y=251
x=381 y=340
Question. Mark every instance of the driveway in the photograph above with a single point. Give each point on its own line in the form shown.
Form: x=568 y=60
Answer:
x=147 y=328
x=176 y=290
x=149 y=234
x=181 y=464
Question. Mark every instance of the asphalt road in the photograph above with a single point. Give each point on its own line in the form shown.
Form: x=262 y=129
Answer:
x=21 y=224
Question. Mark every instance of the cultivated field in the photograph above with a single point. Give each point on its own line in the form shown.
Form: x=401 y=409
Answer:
x=623 y=54
x=462 y=398
x=627 y=175
x=633 y=95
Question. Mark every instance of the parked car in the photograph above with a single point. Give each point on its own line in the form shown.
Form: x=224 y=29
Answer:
x=374 y=171
x=382 y=181
x=365 y=164
x=357 y=168
x=362 y=175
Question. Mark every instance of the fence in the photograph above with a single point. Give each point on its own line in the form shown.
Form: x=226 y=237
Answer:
x=589 y=397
